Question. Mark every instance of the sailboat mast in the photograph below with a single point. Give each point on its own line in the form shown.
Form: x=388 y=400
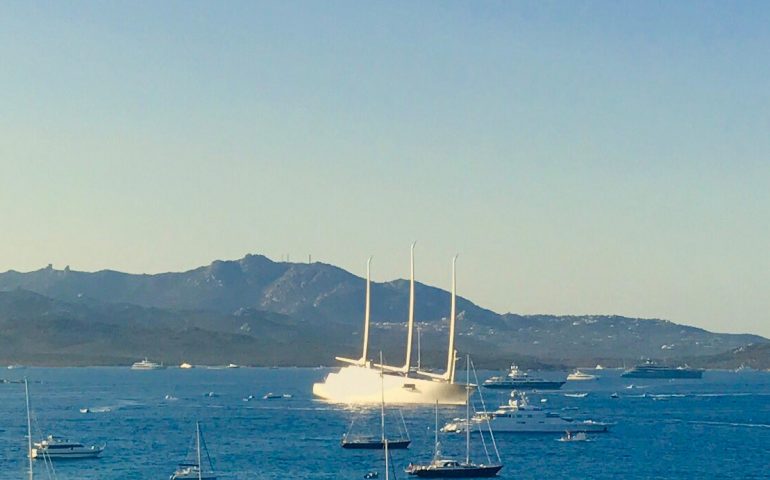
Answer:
x=410 y=326
x=467 y=409
x=382 y=405
x=387 y=461
x=450 y=361
x=198 y=449
x=366 y=313
x=419 y=348
x=435 y=432
x=29 y=429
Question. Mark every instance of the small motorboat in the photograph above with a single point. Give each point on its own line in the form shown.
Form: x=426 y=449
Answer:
x=372 y=475
x=85 y=410
x=615 y=395
x=577 y=375
x=576 y=395
x=574 y=437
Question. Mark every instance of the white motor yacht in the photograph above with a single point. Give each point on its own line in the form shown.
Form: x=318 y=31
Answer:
x=55 y=448
x=519 y=416
x=577 y=375
x=146 y=365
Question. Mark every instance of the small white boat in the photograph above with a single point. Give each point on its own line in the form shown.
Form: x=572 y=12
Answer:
x=576 y=395
x=615 y=395
x=56 y=448
x=233 y=365
x=170 y=398
x=85 y=410
x=598 y=367
x=577 y=375
x=574 y=437
x=185 y=366
x=146 y=365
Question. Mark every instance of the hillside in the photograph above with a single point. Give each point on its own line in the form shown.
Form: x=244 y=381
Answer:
x=267 y=308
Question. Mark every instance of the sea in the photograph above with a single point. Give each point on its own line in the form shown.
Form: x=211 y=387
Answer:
x=714 y=428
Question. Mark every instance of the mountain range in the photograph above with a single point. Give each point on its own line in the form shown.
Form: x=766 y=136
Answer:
x=260 y=312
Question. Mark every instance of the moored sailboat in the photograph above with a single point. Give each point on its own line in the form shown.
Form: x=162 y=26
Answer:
x=441 y=467
x=195 y=470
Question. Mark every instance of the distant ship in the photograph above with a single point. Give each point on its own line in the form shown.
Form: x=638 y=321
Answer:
x=146 y=365
x=650 y=369
x=360 y=382
x=518 y=380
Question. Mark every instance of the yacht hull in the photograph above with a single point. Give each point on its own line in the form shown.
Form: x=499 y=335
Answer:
x=513 y=385
x=477 y=471
x=362 y=385
x=376 y=445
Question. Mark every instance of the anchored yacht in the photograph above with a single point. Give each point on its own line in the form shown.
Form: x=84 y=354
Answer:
x=521 y=417
x=56 y=448
x=146 y=365
x=518 y=380
x=359 y=381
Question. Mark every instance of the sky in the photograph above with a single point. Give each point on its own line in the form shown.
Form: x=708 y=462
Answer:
x=581 y=157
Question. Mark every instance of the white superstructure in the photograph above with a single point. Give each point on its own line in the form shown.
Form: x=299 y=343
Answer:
x=521 y=417
x=359 y=382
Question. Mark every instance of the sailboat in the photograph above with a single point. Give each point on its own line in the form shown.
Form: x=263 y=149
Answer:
x=359 y=382
x=441 y=467
x=194 y=470
x=370 y=442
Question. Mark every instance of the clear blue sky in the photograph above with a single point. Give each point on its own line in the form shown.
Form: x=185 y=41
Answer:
x=583 y=157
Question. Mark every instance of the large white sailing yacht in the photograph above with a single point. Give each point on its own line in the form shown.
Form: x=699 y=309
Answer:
x=359 y=382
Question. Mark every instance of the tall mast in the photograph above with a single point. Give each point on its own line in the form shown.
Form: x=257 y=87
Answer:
x=419 y=349
x=387 y=459
x=410 y=325
x=366 y=313
x=382 y=405
x=435 y=433
x=467 y=409
x=29 y=429
x=450 y=361
x=198 y=448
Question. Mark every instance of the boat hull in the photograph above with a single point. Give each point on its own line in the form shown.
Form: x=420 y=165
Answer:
x=673 y=373
x=69 y=455
x=376 y=445
x=363 y=385
x=478 y=471
x=525 y=385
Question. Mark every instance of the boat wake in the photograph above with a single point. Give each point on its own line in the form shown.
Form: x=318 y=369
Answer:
x=728 y=424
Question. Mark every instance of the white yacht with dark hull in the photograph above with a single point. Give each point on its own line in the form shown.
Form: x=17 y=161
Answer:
x=521 y=417
x=359 y=382
x=58 y=448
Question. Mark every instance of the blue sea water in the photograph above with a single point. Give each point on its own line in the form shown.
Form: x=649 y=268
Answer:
x=717 y=427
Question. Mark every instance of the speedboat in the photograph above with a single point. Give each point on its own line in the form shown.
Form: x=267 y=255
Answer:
x=574 y=437
x=55 y=448
x=578 y=375
x=146 y=365
x=518 y=380
x=185 y=366
x=519 y=416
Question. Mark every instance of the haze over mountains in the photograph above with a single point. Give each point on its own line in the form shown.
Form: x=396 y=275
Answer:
x=259 y=312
